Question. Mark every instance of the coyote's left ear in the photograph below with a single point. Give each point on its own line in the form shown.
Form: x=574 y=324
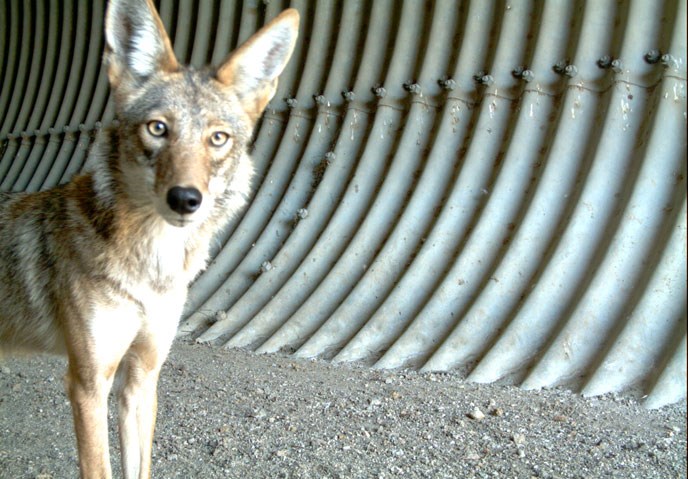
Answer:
x=136 y=45
x=253 y=68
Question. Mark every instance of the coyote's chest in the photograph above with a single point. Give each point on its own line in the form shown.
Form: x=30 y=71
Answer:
x=160 y=258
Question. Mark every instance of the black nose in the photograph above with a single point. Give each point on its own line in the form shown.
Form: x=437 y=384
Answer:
x=184 y=200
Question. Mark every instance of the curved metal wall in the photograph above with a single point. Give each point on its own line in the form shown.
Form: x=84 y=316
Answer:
x=491 y=187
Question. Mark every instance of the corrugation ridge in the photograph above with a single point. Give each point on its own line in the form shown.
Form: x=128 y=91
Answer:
x=185 y=18
x=78 y=157
x=654 y=322
x=226 y=31
x=203 y=32
x=249 y=21
x=564 y=164
x=67 y=143
x=671 y=383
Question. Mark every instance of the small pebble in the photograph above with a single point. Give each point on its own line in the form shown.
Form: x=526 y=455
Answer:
x=476 y=414
x=472 y=456
x=281 y=453
x=519 y=439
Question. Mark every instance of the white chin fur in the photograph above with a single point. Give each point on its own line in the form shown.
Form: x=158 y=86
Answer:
x=179 y=222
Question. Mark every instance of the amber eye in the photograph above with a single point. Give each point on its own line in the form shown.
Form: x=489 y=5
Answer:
x=157 y=128
x=219 y=138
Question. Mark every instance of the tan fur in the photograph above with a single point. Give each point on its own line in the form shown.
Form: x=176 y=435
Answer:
x=99 y=268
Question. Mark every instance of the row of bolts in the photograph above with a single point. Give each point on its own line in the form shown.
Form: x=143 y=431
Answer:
x=563 y=68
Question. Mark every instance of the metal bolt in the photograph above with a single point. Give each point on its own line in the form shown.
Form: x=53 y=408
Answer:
x=349 y=95
x=265 y=267
x=53 y=131
x=11 y=136
x=291 y=102
x=607 y=62
x=320 y=99
x=302 y=213
x=483 y=78
x=653 y=56
x=98 y=125
x=412 y=87
x=379 y=91
x=528 y=76
x=564 y=68
x=669 y=61
x=604 y=62
x=524 y=74
x=447 y=83
x=330 y=156
x=617 y=65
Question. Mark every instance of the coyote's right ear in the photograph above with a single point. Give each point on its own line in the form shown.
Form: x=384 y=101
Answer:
x=253 y=68
x=136 y=44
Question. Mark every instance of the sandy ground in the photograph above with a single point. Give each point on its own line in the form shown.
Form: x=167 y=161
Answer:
x=234 y=414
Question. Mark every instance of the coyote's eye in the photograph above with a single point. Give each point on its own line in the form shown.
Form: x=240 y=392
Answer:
x=219 y=138
x=157 y=128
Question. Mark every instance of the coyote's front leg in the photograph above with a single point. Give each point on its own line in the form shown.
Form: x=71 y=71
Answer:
x=137 y=401
x=88 y=389
x=97 y=340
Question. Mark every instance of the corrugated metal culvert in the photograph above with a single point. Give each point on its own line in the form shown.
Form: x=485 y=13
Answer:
x=492 y=187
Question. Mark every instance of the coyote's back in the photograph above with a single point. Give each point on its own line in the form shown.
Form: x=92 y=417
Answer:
x=99 y=268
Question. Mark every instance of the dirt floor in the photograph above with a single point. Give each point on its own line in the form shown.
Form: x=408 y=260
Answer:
x=234 y=414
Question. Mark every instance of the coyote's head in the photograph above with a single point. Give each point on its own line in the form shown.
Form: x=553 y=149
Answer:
x=183 y=131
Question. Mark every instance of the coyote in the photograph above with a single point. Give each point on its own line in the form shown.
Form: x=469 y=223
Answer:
x=98 y=268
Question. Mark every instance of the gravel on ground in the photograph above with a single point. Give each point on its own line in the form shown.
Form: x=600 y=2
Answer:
x=236 y=414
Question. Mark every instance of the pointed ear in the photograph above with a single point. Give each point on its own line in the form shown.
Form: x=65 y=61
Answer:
x=253 y=68
x=136 y=44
